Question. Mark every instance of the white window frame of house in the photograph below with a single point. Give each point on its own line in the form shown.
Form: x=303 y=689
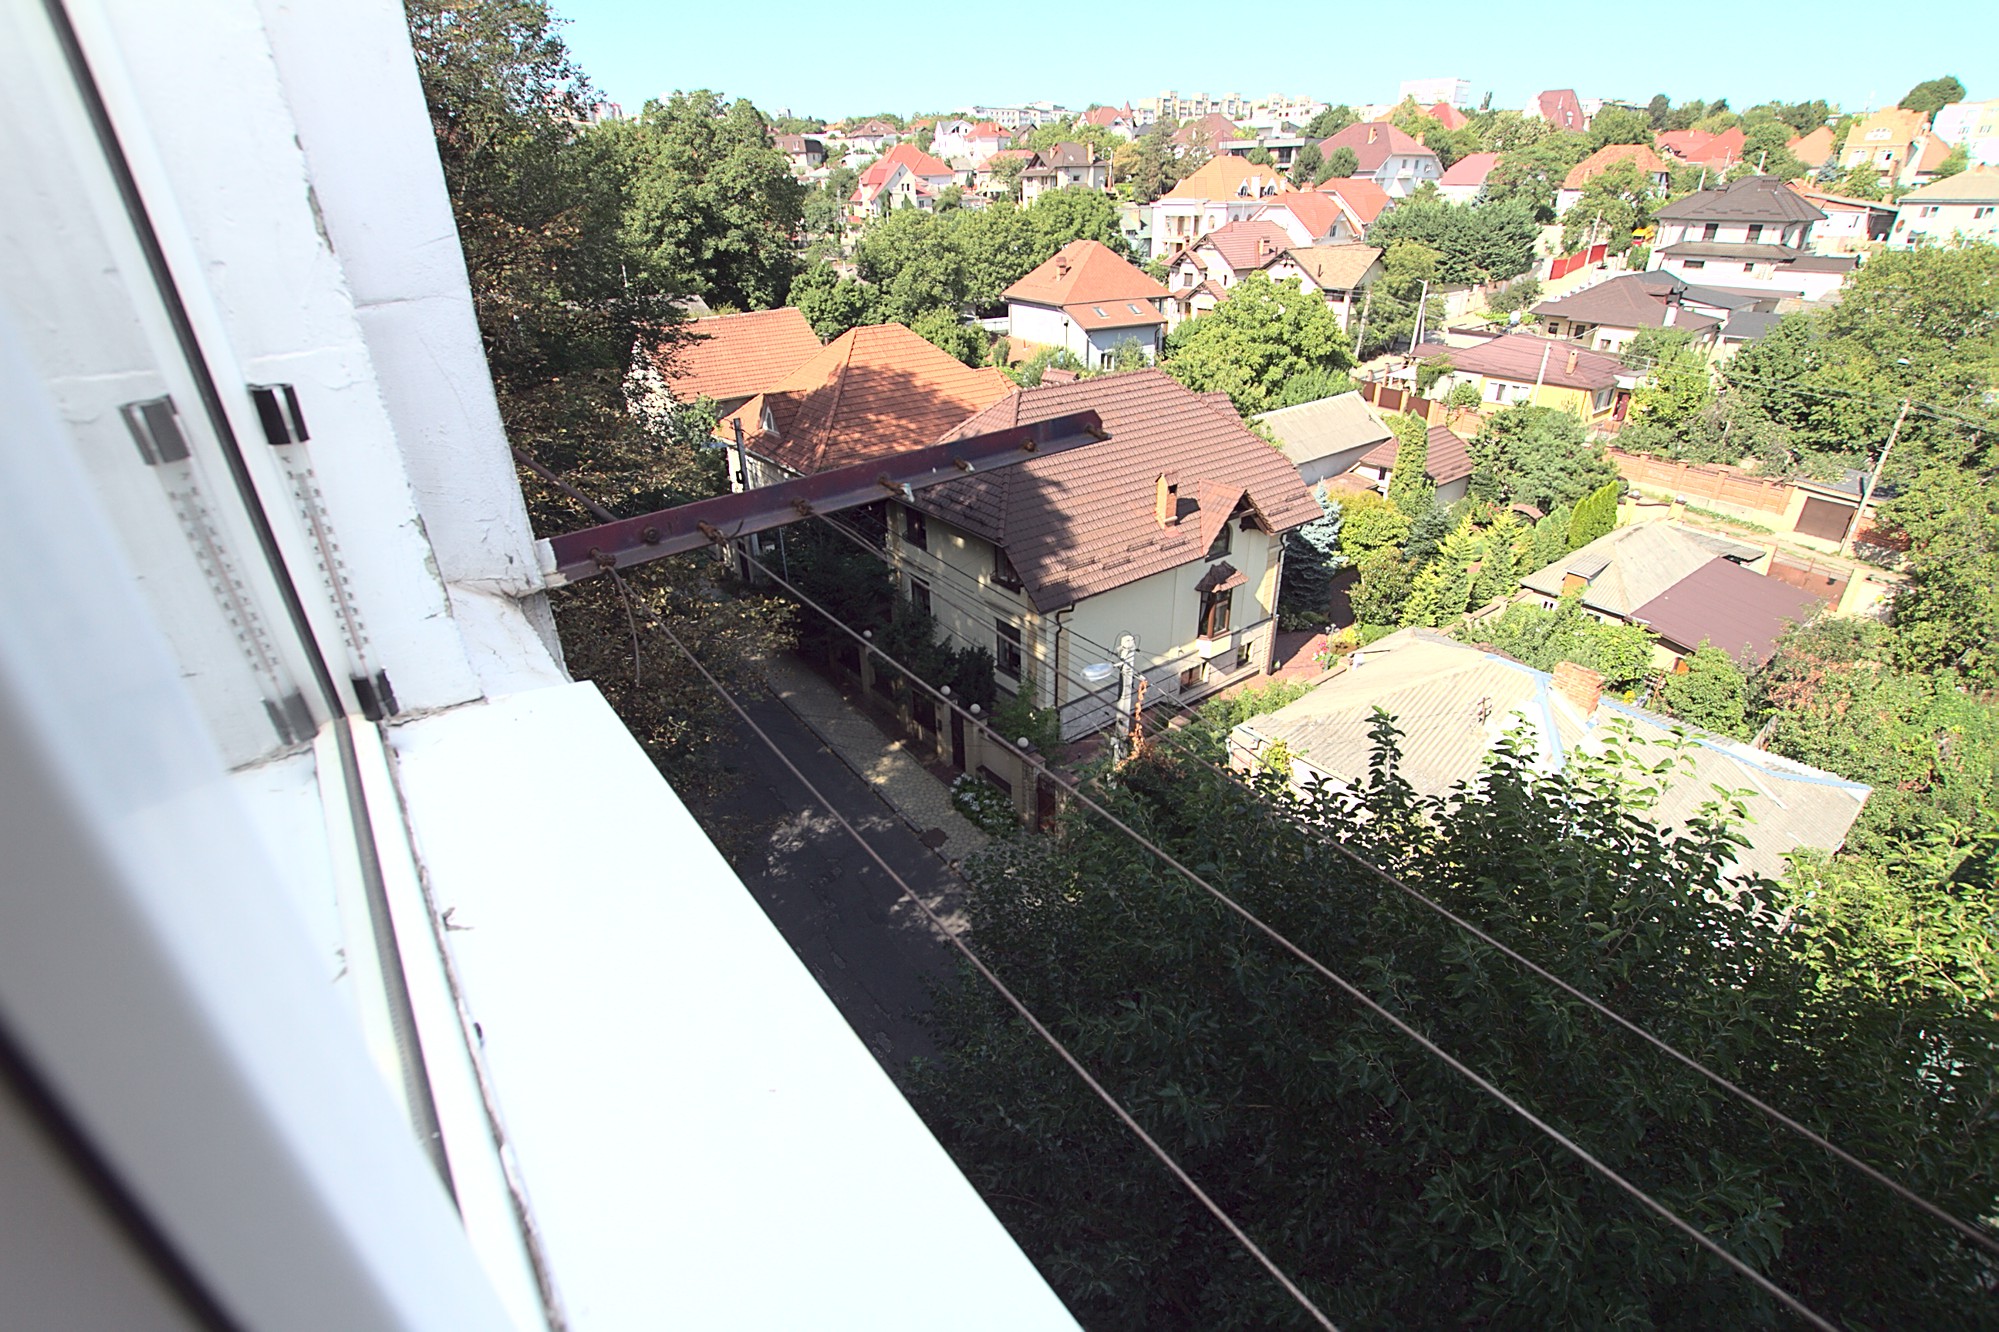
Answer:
x=1604 y=397
x=1009 y=651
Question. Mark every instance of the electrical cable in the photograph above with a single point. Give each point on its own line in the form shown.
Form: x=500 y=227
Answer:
x=1575 y=1149
x=1000 y=987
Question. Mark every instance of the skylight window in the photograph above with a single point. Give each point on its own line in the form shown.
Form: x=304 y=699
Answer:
x=1100 y=312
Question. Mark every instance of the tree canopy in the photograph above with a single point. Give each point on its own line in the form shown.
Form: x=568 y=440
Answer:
x=1537 y=456
x=1256 y=341
x=1932 y=95
x=1475 y=242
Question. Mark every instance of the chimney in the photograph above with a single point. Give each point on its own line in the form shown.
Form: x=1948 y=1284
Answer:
x=1373 y=132
x=1672 y=313
x=1061 y=265
x=1574 y=353
x=1262 y=246
x=1166 y=499
x=1580 y=685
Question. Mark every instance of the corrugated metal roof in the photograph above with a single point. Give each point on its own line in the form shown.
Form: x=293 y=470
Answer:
x=1630 y=566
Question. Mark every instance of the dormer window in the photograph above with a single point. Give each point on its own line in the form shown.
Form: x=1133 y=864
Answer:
x=1220 y=545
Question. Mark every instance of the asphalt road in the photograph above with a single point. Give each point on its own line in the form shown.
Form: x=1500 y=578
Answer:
x=871 y=951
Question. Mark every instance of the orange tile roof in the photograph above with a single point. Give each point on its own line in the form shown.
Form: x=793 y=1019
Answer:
x=1362 y=198
x=1248 y=246
x=1085 y=272
x=1085 y=521
x=870 y=393
x=1608 y=156
x=1227 y=177
x=1471 y=169
x=1318 y=213
x=1699 y=146
x=919 y=162
x=1447 y=115
x=735 y=355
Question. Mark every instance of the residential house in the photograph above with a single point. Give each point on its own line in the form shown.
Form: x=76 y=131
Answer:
x=1119 y=120
x=1751 y=233
x=1088 y=300
x=1170 y=530
x=1340 y=273
x=1323 y=439
x=1062 y=167
x=1624 y=569
x=903 y=177
x=1816 y=149
x=1386 y=156
x=1851 y=226
x=1281 y=145
x=1558 y=107
x=1959 y=208
x=1311 y=217
x=1519 y=368
x=731 y=358
x=1896 y=143
x=968 y=141
x=986 y=178
x=1193 y=106
x=1972 y=126
x=1224 y=189
x=870 y=393
x=1205 y=133
x=1718 y=302
x=806 y=152
x=1199 y=278
x=1464 y=180
x=1607 y=316
x=1723 y=604
x=870 y=136
x=1447 y=464
x=1361 y=200
x=1739 y=328
x=1455 y=702
x=1717 y=152
x=1658 y=175
x=1447 y=115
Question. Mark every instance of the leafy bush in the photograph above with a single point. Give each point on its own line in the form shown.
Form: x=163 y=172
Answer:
x=989 y=808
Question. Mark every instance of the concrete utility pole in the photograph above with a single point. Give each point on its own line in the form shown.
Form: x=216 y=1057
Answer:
x=1127 y=653
x=1873 y=479
x=1366 y=304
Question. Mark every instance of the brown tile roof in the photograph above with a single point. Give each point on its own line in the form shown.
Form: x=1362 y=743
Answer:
x=869 y=393
x=1248 y=246
x=1083 y=522
x=1608 y=156
x=1085 y=272
x=1449 y=458
x=1335 y=267
x=1517 y=358
x=1623 y=302
x=1213 y=130
x=1228 y=177
x=1740 y=612
x=732 y=356
x=1363 y=198
x=1746 y=199
x=1373 y=142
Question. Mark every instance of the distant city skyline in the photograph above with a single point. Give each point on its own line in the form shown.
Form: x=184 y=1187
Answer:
x=909 y=59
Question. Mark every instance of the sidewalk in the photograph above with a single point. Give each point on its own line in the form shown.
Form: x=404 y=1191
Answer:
x=906 y=785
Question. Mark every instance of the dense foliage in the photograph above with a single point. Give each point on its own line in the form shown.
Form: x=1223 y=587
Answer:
x=1254 y=343
x=1477 y=242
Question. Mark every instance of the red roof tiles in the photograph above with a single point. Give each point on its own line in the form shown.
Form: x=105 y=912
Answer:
x=733 y=356
x=1248 y=246
x=1372 y=141
x=1085 y=521
x=1085 y=272
x=869 y=393
x=1363 y=199
x=1319 y=214
x=1609 y=156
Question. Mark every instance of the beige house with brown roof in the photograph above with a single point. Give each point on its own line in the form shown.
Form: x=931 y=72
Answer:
x=1951 y=211
x=1170 y=530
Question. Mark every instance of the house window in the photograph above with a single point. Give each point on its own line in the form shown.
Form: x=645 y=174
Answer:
x=1192 y=677
x=1003 y=571
x=1980 y=214
x=1710 y=231
x=1007 y=659
x=1929 y=210
x=1755 y=232
x=1215 y=613
x=1220 y=545
x=915 y=531
x=1695 y=263
x=919 y=595
x=1603 y=397
x=1242 y=655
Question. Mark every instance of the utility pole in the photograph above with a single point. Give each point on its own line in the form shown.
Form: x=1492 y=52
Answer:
x=1542 y=373
x=1127 y=655
x=1416 y=334
x=1366 y=303
x=1873 y=479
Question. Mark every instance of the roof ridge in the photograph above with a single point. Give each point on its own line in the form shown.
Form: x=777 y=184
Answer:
x=823 y=428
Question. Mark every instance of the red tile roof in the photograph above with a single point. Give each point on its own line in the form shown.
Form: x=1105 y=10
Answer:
x=1372 y=141
x=1560 y=107
x=1471 y=169
x=1085 y=521
x=1447 y=115
x=1740 y=612
x=733 y=356
x=869 y=393
x=919 y=162
x=1701 y=147
x=1248 y=246
x=1449 y=458
x=1085 y=272
x=1106 y=116
x=1609 y=156
x=1211 y=131
x=1363 y=198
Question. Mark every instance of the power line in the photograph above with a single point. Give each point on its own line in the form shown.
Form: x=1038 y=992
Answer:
x=1000 y=987
x=1347 y=987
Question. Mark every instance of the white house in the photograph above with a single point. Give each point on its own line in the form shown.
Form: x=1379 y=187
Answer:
x=1387 y=156
x=1225 y=189
x=967 y=140
x=1959 y=208
x=1311 y=217
x=1752 y=233
x=1088 y=300
x=1062 y=167
x=1169 y=530
x=1972 y=126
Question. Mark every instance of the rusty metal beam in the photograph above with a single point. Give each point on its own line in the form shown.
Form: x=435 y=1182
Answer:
x=651 y=536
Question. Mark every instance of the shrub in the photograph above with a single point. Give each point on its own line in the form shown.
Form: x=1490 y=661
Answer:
x=989 y=809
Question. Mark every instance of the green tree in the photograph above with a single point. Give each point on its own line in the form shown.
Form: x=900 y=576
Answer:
x=1657 y=109
x=1075 y=213
x=1480 y=242
x=1340 y=164
x=1765 y=147
x=1251 y=344
x=1441 y=591
x=1543 y=639
x=1537 y=456
x=1672 y=408
x=1330 y=122
x=1406 y=267
x=1613 y=204
x=1369 y=523
x=945 y=331
x=1617 y=124
x=1499 y=560
x=1932 y=95
x=1712 y=693
x=709 y=197
x=1947 y=609
x=1378 y=598
x=1410 y=488
x=1595 y=515
x=830 y=303
x=1533 y=172
x=1955 y=161
x=1305 y=164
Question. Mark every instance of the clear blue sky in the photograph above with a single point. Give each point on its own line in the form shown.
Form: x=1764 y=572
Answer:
x=833 y=60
